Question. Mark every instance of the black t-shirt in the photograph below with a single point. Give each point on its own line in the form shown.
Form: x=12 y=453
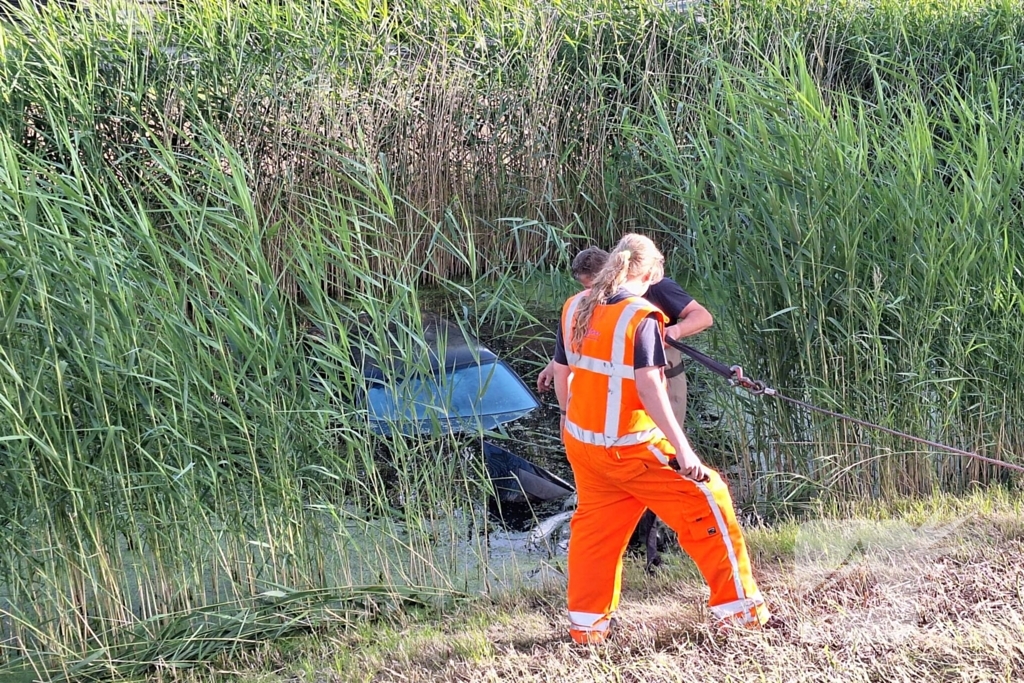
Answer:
x=668 y=296
x=648 y=347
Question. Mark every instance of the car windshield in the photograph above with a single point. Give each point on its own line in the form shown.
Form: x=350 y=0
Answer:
x=467 y=398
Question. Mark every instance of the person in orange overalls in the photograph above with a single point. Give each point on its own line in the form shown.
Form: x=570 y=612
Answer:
x=621 y=436
x=686 y=317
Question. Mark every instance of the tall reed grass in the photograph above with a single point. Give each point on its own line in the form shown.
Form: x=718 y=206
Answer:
x=865 y=250
x=184 y=190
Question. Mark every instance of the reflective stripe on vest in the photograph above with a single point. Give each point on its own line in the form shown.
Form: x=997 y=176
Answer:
x=595 y=439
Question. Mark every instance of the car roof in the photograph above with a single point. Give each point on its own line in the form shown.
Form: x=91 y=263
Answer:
x=460 y=350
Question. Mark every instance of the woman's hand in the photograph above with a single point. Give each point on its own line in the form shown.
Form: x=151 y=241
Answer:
x=650 y=384
x=690 y=464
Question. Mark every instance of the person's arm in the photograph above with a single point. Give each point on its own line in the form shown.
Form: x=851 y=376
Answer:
x=650 y=384
x=693 y=319
x=559 y=367
x=546 y=378
x=561 y=375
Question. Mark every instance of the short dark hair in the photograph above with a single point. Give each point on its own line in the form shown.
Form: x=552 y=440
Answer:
x=589 y=262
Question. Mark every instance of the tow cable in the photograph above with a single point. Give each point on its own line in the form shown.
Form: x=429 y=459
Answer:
x=734 y=375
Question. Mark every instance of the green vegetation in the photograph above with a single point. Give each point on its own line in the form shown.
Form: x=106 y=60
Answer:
x=184 y=190
x=865 y=245
x=931 y=593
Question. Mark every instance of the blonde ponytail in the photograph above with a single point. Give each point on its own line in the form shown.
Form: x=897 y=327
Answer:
x=634 y=256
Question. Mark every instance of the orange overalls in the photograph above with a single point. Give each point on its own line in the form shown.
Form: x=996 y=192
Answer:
x=620 y=460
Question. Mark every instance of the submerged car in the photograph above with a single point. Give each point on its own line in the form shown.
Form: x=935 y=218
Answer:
x=448 y=382
x=452 y=384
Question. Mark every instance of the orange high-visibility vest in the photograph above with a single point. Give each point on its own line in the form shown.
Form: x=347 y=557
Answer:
x=604 y=406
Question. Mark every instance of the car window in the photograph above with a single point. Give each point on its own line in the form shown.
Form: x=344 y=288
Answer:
x=464 y=399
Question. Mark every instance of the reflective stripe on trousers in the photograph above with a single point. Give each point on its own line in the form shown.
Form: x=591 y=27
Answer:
x=589 y=621
x=746 y=612
x=615 y=486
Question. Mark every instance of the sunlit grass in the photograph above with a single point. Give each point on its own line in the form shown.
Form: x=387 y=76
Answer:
x=185 y=191
x=936 y=603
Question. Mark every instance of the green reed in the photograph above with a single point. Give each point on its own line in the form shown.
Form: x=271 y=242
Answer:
x=185 y=191
x=867 y=259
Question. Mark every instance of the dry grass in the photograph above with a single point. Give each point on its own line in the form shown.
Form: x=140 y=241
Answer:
x=944 y=602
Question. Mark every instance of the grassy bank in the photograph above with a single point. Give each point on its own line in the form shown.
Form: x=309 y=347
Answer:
x=184 y=190
x=930 y=592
